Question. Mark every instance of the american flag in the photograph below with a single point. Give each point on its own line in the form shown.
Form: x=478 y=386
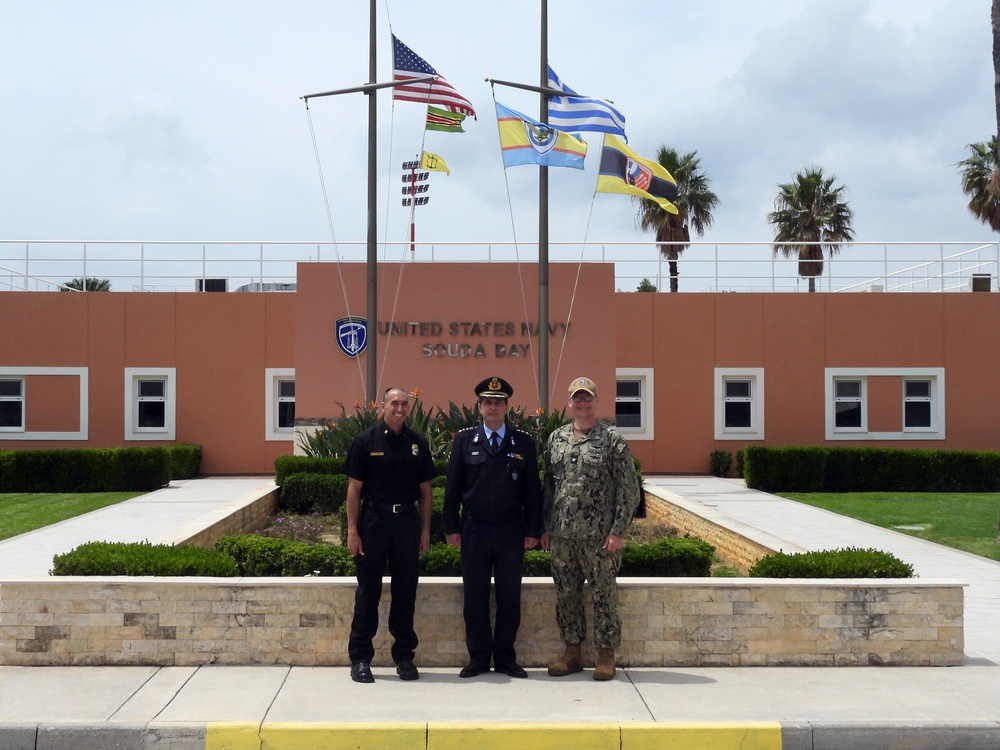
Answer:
x=407 y=64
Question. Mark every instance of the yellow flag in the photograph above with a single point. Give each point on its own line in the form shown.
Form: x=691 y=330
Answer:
x=433 y=162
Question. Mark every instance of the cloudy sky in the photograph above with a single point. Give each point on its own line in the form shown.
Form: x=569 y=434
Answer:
x=183 y=120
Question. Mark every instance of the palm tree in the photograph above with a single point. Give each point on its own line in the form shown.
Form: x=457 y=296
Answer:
x=809 y=209
x=981 y=182
x=87 y=285
x=695 y=202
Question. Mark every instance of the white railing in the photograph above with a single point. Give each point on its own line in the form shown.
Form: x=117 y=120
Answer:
x=46 y=265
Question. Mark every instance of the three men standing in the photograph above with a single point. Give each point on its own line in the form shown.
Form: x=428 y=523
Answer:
x=492 y=512
x=389 y=469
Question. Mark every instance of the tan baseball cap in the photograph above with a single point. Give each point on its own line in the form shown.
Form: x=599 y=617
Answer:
x=583 y=384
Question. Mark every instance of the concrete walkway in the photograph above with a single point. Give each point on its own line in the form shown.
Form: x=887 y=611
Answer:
x=188 y=708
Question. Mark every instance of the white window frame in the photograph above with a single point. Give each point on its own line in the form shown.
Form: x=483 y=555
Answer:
x=934 y=374
x=22 y=373
x=132 y=377
x=272 y=375
x=646 y=390
x=756 y=377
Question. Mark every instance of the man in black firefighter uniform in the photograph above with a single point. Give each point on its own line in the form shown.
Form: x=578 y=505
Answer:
x=492 y=512
x=389 y=470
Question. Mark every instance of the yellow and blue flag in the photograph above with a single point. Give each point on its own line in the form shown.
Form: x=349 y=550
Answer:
x=624 y=171
x=527 y=141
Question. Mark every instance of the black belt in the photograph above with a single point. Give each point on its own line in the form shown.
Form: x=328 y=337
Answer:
x=391 y=507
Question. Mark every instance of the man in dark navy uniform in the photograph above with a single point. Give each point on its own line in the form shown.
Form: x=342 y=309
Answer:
x=492 y=512
x=389 y=470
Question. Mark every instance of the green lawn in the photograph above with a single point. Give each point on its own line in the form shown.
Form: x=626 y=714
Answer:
x=29 y=511
x=963 y=520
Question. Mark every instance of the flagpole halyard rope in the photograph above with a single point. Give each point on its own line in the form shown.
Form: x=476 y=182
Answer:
x=333 y=234
x=517 y=255
x=576 y=284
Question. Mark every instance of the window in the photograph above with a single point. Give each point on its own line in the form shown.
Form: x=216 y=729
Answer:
x=851 y=392
x=286 y=404
x=279 y=403
x=15 y=414
x=850 y=411
x=739 y=403
x=150 y=403
x=634 y=402
x=917 y=405
x=11 y=404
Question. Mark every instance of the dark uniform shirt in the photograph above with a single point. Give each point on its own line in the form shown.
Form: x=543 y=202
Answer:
x=391 y=466
x=493 y=488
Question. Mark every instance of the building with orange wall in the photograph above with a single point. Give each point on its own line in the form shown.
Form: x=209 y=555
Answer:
x=684 y=374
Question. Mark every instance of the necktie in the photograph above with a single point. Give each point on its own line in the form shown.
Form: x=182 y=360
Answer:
x=495 y=440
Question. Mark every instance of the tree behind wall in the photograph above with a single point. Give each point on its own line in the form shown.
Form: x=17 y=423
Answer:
x=695 y=203
x=810 y=210
x=89 y=284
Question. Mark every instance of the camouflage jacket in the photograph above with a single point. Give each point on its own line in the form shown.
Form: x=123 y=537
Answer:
x=591 y=488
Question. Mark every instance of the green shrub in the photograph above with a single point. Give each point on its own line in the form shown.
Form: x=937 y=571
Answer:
x=306 y=493
x=85 y=470
x=285 y=466
x=677 y=557
x=785 y=469
x=185 y=461
x=682 y=556
x=442 y=560
x=862 y=469
x=263 y=556
x=142 y=559
x=143 y=469
x=720 y=461
x=740 y=458
x=839 y=563
x=537 y=563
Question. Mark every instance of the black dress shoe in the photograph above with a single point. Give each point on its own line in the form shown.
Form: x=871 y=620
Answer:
x=407 y=671
x=473 y=668
x=362 y=672
x=512 y=669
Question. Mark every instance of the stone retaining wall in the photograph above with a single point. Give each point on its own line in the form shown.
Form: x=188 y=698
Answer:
x=735 y=542
x=668 y=622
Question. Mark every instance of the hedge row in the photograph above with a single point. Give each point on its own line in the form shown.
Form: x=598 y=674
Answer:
x=257 y=556
x=850 y=469
x=667 y=558
x=837 y=563
x=142 y=559
x=97 y=469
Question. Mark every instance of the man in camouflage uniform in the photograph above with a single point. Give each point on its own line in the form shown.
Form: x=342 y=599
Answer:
x=591 y=493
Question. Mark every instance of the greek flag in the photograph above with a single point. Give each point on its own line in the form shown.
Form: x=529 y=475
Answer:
x=574 y=114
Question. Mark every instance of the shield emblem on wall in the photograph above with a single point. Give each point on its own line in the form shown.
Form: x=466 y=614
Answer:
x=352 y=335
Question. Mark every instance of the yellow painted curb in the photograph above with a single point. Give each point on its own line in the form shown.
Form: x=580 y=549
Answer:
x=483 y=736
x=232 y=736
x=681 y=735
x=524 y=736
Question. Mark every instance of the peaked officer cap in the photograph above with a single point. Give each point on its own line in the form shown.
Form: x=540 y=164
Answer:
x=494 y=388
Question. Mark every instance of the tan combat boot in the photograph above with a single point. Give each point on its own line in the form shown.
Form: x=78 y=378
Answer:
x=604 y=669
x=569 y=663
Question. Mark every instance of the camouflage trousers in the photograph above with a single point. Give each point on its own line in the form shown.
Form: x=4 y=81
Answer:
x=573 y=562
